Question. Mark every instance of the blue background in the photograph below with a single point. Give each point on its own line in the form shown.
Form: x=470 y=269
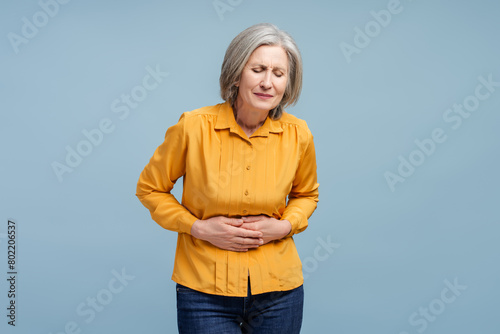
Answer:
x=394 y=248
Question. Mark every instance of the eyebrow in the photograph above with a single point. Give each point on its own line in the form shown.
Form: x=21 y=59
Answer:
x=265 y=67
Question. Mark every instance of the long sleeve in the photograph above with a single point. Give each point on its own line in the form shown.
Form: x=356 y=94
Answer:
x=303 y=197
x=158 y=178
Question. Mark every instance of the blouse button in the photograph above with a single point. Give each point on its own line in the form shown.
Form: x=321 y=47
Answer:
x=245 y=211
x=248 y=167
x=246 y=192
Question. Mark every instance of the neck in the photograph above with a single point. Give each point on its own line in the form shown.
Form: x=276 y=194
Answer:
x=249 y=120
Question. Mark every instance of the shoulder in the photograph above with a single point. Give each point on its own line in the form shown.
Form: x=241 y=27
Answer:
x=287 y=118
x=201 y=112
x=297 y=128
x=289 y=122
x=190 y=120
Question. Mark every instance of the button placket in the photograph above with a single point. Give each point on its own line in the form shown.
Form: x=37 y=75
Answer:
x=248 y=177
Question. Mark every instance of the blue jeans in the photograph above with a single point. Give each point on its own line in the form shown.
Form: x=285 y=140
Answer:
x=266 y=313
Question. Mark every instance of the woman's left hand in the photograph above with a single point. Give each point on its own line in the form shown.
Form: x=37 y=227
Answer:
x=271 y=228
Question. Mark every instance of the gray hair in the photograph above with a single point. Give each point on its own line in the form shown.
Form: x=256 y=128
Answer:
x=240 y=50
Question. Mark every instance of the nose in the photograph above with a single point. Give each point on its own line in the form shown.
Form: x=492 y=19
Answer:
x=266 y=81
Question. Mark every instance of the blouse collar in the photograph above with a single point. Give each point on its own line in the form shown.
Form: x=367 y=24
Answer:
x=226 y=120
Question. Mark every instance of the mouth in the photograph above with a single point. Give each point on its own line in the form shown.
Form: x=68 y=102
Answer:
x=263 y=96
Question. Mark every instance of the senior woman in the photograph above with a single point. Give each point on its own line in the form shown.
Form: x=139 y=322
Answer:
x=236 y=266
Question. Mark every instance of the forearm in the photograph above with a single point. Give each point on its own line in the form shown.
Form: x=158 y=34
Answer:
x=167 y=211
x=157 y=180
x=297 y=212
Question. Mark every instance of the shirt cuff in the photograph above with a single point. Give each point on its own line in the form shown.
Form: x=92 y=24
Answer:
x=298 y=222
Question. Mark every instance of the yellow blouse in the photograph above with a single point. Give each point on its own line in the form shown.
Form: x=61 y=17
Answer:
x=226 y=173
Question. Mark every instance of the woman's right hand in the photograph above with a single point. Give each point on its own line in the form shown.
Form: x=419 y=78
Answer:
x=226 y=233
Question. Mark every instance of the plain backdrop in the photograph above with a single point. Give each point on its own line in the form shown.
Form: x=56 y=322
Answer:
x=380 y=77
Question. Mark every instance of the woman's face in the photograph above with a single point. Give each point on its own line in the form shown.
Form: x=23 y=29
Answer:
x=263 y=80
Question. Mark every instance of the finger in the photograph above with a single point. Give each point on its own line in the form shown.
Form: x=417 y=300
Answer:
x=249 y=242
x=250 y=233
x=233 y=221
x=240 y=232
x=252 y=227
x=251 y=219
x=238 y=249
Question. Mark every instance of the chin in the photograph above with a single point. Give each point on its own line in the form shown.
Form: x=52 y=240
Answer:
x=264 y=106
